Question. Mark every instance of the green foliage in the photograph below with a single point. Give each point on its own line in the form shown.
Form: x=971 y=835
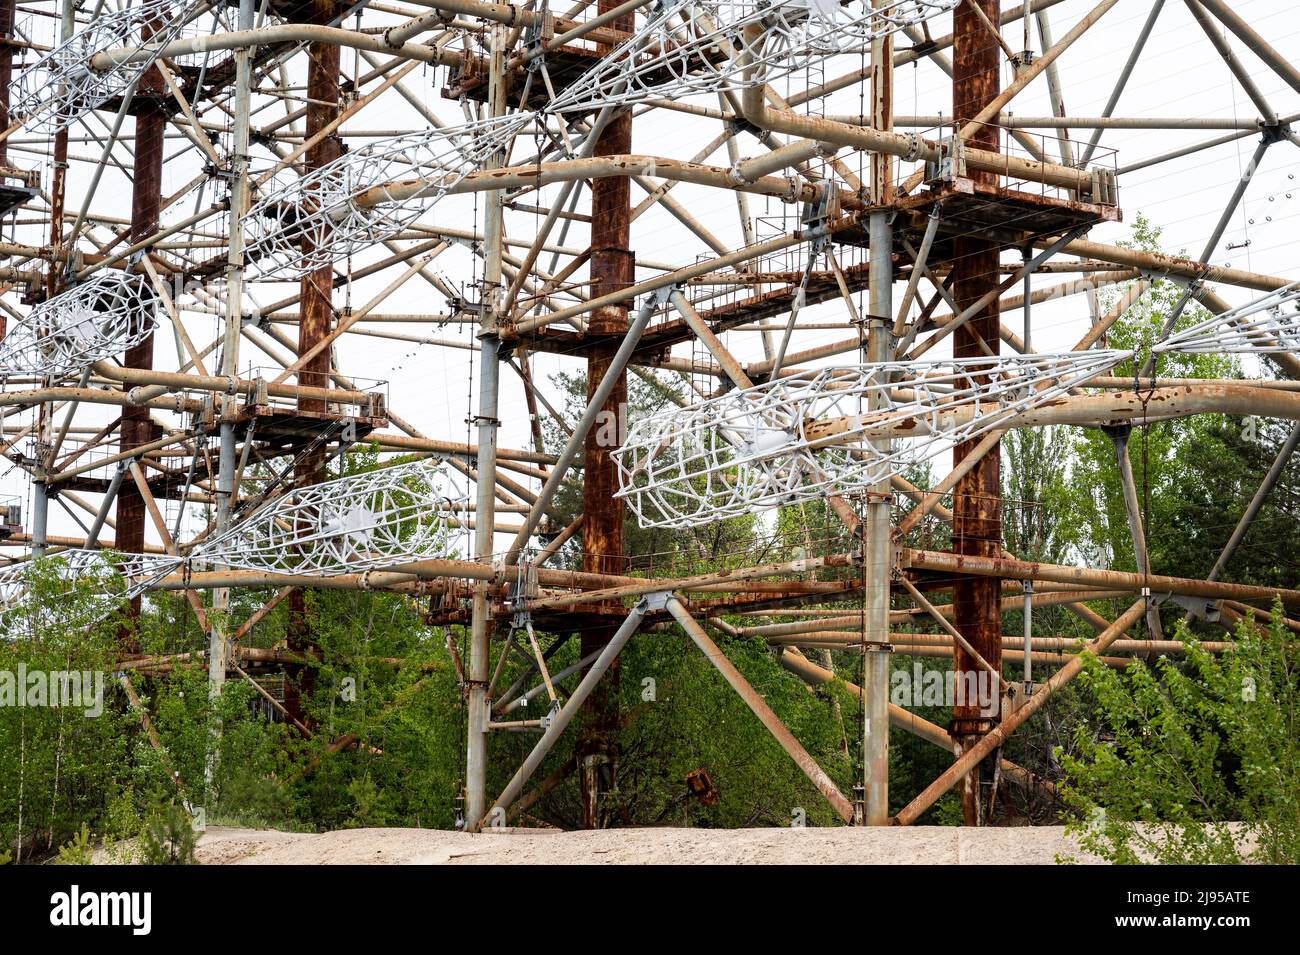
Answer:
x=1193 y=763
x=1036 y=492
x=77 y=850
x=386 y=684
x=1093 y=525
x=59 y=765
x=168 y=837
x=694 y=720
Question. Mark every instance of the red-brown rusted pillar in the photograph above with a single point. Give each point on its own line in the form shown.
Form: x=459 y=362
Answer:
x=977 y=506
x=6 y=69
x=146 y=206
x=316 y=316
x=602 y=528
x=6 y=74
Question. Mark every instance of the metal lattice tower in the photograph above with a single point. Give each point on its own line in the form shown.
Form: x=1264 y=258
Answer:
x=286 y=289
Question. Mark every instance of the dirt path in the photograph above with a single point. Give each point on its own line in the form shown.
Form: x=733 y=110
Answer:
x=932 y=845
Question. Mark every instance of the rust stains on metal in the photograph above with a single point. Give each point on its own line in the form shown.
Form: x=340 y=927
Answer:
x=977 y=505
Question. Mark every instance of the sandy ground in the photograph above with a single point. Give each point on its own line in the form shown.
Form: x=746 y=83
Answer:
x=923 y=845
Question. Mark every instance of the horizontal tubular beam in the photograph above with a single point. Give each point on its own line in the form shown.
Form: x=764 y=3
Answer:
x=1057 y=649
x=611 y=587
x=175 y=381
x=1162 y=264
x=1011 y=722
x=614 y=586
x=605 y=167
x=829 y=620
x=266 y=36
x=98 y=396
x=1016 y=121
x=1113 y=579
x=404 y=442
x=1210 y=397
x=505 y=13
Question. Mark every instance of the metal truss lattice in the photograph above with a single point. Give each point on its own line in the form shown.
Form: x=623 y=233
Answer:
x=304 y=223
x=98 y=319
x=1267 y=325
x=367 y=521
x=63 y=85
x=696 y=46
x=86 y=586
x=810 y=435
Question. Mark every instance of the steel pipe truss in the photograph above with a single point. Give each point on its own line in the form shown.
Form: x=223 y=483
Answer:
x=62 y=86
x=227 y=110
x=1268 y=325
x=808 y=435
x=689 y=46
x=92 y=584
x=367 y=521
x=99 y=319
x=304 y=223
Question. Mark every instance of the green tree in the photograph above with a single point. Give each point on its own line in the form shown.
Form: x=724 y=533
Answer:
x=62 y=756
x=1193 y=762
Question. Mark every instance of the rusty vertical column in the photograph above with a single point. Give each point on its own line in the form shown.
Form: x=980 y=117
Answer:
x=137 y=427
x=6 y=74
x=317 y=307
x=977 y=505
x=612 y=268
x=58 y=172
x=6 y=69
x=316 y=312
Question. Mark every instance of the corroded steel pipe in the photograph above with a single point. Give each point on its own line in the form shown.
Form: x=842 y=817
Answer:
x=1110 y=579
x=988 y=743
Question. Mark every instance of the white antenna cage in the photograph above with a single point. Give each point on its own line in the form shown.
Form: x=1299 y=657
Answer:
x=64 y=85
x=116 y=578
x=808 y=435
x=101 y=318
x=367 y=521
x=696 y=46
x=1270 y=324
x=304 y=223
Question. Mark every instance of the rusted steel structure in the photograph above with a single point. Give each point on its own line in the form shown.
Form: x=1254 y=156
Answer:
x=612 y=269
x=137 y=427
x=320 y=196
x=977 y=504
